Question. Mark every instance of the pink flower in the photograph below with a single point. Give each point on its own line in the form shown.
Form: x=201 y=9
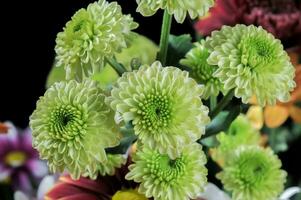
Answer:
x=19 y=162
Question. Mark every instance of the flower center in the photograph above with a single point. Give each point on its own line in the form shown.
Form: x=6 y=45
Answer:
x=78 y=26
x=128 y=195
x=155 y=111
x=256 y=51
x=252 y=171
x=165 y=169
x=67 y=122
x=15 y=158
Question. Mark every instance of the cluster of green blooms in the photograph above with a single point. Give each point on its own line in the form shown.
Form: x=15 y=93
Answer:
x=76 y=120
x=249 y=171
x=164 y=106
x=72 y=125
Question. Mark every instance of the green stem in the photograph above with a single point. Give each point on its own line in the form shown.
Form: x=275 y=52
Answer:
x=165 y=30
x=116 y=66
x=222 y=104
x=212 y=102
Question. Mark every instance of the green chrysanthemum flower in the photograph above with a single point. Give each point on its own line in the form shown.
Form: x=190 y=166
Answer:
x=240 y=133
x=94 y=33
x=253 y=173
x=72 y=126
x=164 y=178
x=178 y=8
x=253 y=62
x=163 y=105
x=113 y=162
x=196 y=60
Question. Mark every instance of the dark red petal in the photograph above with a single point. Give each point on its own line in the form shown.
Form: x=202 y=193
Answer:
x=81 y=197
x=61 y=190
x=98 y=186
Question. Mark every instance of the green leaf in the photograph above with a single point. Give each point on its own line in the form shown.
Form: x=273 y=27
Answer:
x=177 y=48
x=222 y=121
x=279 y=138
x=128 y=138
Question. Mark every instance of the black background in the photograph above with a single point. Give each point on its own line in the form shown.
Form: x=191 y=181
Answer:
x=28 y=32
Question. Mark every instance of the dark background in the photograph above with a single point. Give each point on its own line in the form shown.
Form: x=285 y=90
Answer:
x=28 y=32
x=28 y=48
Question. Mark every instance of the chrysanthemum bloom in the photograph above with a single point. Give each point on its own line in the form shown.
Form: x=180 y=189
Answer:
x=164 y=106
x=178 y=8
x=161 y=177
x=282 y=18
x=201 y=71
x=240 y=133
x=113 y=161
x=251 y=61
x=93 y=34
x=72 y=126
x=19 y=162
x=253 y=173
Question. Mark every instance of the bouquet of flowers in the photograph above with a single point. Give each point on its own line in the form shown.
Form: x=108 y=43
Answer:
x=123 y=119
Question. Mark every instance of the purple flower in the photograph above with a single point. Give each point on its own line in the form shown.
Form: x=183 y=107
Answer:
x=19 y=162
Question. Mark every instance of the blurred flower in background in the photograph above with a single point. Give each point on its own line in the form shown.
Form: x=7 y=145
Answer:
x=280 y=17
x=20 y=165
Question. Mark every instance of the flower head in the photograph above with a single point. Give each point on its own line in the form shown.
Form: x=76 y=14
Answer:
x=164 y=106
x=196 y=60
x=72 y=126
x=19 y=162
x=178 y=8
x=253 y=62
x=161 y=177
x=92 y=34
x=253 y=173
x=282 y=18
x=240 y=133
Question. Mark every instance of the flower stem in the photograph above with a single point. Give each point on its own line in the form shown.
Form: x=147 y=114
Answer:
x=116 y=66
x=212 y=102
x=165 y=30
x=222 y=104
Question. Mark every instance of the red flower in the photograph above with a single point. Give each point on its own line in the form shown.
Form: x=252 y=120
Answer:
x=280 y=17
x=86 y=189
